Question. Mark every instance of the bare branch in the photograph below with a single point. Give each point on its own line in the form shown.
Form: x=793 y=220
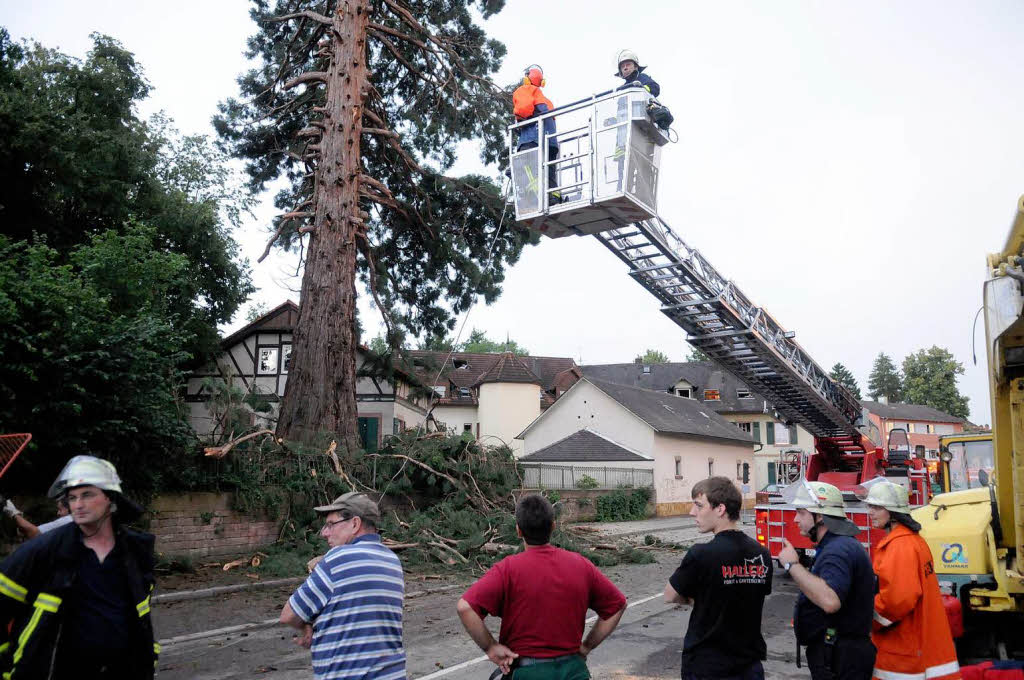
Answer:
x=380 y=131
x=381 y=28
x=308 y=14
x=309 y=77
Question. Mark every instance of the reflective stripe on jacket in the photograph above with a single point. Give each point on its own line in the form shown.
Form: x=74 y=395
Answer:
x=528 y=101
x=35 y=581
x=911 y=630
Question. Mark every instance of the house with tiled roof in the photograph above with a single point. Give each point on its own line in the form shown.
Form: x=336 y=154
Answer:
x=723 y=393
x=492 y=396
x=680 y=440
x=924 y=424
x=255 y=361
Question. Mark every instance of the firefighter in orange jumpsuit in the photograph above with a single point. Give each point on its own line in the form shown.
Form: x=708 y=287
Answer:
x=528 y=101
x=910 y=630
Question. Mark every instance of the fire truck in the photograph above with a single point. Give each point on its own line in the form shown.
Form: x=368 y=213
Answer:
x=606 y=186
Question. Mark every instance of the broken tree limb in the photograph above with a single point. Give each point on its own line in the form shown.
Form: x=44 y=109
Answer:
x=308 y=77
x=307 y=14
x=221 y=451
x=416 y=462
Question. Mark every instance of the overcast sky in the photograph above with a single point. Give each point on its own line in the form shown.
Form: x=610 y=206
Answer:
x=848 y=165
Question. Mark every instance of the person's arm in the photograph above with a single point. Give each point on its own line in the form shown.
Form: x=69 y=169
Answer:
x=899 y=583
x=499 y=654
x=816 y=590
x=602 y=628
x=650 y=85
x=673 y=597
x=25 y=527
x=290 y=618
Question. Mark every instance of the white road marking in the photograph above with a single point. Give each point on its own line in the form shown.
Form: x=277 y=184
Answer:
x=466 y=664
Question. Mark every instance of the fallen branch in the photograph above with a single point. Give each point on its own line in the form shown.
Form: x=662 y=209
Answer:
x=221 y=451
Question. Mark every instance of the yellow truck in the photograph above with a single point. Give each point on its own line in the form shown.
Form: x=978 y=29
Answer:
x=976 y=529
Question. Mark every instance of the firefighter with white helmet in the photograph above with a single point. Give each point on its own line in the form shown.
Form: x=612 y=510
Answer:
x=908 y=605
x=833 y=614
x=78 y=595
x=627 y=67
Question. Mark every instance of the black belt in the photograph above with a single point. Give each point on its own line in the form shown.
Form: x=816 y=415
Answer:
x=524 y=661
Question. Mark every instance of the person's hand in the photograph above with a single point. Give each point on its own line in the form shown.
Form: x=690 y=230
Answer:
x=502 y=657
x=788 y=553
x=584 y=650
x=305 y=638
x=10 y=510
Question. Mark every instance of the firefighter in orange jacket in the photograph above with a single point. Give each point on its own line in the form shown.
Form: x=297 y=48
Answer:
x=528 y=101
x=911 y=630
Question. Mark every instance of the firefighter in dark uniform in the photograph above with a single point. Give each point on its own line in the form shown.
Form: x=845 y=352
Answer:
x=75 y=601
x=834 y=611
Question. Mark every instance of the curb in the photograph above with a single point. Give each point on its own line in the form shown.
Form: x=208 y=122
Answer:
x=260 y=625
x=179 y=596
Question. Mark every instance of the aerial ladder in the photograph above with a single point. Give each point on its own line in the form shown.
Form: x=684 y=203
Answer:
x=607 y=170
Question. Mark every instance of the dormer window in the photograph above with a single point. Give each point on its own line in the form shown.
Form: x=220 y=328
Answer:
x=460 y=363
x=685 y=392
x=711 y=395
x=440 y=390
x=744 y=394
x=464 y=392
x=647 y=369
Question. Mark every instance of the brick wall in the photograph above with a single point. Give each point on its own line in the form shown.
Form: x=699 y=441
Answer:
x=205 y=525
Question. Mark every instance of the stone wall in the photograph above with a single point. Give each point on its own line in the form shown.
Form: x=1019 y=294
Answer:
x=205 y=525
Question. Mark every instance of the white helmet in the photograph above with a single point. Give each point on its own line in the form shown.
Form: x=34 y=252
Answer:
x=86 y=471
x=885 y=494
x=818 y=497
x=627 y=55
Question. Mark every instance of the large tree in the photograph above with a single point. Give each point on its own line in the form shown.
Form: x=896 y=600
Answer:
x=697 y=354
x=76 y=161
x=841 y=374
x=929 y=378
x=885 y=379
x=361 y=107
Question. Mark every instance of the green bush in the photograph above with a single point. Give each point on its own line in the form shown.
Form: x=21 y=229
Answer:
x=586 y=482
x=622 y=505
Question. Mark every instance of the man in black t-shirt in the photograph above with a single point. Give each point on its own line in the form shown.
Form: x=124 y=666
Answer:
x=726 y=580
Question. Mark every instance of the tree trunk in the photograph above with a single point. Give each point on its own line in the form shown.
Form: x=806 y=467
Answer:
x=321 y=392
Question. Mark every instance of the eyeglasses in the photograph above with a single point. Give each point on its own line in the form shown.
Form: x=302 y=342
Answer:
x=330 y=525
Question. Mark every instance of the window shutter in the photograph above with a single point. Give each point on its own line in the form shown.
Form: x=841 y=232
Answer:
x=771 y=473
x=757 y=432
x=769 y=430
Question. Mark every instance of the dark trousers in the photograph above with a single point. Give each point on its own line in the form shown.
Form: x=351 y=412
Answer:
x=754 y=671
x=848 y=659
x=552 y=155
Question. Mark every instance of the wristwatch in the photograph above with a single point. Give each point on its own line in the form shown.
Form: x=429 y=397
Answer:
x=786 y=566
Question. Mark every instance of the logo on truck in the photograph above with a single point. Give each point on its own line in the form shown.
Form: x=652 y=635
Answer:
x=954 y=555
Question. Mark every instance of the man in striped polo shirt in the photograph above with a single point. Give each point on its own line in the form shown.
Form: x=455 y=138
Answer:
x=349 y=610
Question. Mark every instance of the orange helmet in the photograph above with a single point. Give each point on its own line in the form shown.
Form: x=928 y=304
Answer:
x=534 y=75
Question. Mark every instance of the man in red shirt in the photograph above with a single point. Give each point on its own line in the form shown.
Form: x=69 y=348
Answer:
x=542 y=596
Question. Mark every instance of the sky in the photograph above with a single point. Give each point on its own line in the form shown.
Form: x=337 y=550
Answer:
x=847 y=164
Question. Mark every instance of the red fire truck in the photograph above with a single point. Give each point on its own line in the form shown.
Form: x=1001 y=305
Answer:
x=606 y=177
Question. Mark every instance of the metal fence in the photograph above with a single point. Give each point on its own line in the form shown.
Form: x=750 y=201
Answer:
x=540 y=476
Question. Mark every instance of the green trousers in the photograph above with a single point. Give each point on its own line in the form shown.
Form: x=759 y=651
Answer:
x=570 y=668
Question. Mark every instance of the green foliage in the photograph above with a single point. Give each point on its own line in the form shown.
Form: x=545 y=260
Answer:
x=430 y=245
x=697 y=354
x=587 y=482
x=87 y=347
x=929 y=378
x=841 y=374
x=76 y=161
x=256 y=310
x=651 y=356
x=476 y=342
x=175 y=564
x=623 y=505
x=206 y=517
x=885 y=379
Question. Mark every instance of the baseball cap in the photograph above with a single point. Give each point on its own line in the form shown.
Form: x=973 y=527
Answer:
x=354 y=503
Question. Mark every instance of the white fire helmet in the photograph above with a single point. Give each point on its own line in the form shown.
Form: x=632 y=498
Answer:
x=884 y=494
x=627 y=55
x=86 y=471
x=817 y=497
